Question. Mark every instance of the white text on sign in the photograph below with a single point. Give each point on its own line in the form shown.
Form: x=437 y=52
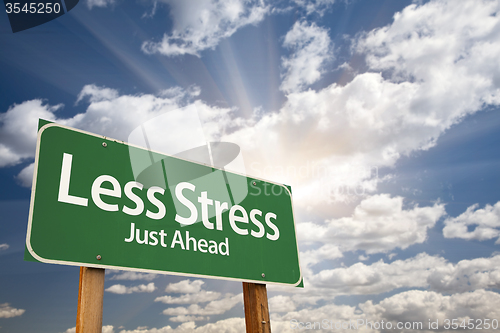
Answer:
x=238 y=218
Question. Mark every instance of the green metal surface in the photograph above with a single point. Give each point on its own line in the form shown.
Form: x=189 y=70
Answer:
x=74 y=234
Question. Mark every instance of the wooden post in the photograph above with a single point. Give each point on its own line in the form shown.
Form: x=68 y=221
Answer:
x=256 y=308
x=90 y=296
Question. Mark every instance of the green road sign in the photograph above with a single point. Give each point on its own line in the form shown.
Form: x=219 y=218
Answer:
x=100 y=202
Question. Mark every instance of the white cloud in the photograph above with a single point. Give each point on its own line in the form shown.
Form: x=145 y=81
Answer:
x=18 y=130
x=378 y=224
x=315 y=6
x=451 y=48
x=310 y=258
x=4 y=246
x=340 y=135
x=185 y=287
x=378 y=277
x=486 y=221
x=198 y=297
x=421 y=271
x=420 y=306
x=25 y=177
x=105 y=329
x=108 y=114
x=121 y=289
x=412 y=307
x=116 y=116
x=6 y=311
x=183 y=318
x=466 y=275
x=193 y=295
x=230 y=325
x=200 y=25
x=186 y=327
x=281 y=303
x=97 y=94
x=99 y=3
x=132 y=276
x=216 y=307
x=285 y=322
x=435 y=64
x=311 y=49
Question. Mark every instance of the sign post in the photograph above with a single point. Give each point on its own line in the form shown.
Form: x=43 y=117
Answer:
x=256 y=308
x=101 y=203
x=90 y=300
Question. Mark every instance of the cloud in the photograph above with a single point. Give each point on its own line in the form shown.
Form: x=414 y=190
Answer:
x=315 y=6
x=486 y=221
x=466 y=275
x=25 y=177
x=281 y=303
x=108 y=113
x=434 y=65
x=117 y=115
x=414 y=308
x=132 y=276
x=121 y=289
x=4 y=246
x=216 y=307
x=311 y=49
x=310 y=258
x=427 y=44
x=420 y=306
x=364 y=258
x=200 y=25
x=99 y=3
x=185 y=287
x=6 y=311
x=198 y=297
x=230 y=325
x=183 y=318
x=105 y=329
x=97 y=94
x=193 y=295
x=422 y=271
x=378 y=224
x=18 y=130
x=378 y=277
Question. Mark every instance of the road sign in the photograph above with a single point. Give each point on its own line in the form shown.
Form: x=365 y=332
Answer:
x=89 y=208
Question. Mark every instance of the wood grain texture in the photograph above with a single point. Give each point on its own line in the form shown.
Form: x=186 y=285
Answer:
x=256 y=308
x=90 y=296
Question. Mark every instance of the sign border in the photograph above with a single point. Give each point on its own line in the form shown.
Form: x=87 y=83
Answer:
x=73 y=263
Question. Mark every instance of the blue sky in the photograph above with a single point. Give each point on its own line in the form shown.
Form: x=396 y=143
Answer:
x=381 y=115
